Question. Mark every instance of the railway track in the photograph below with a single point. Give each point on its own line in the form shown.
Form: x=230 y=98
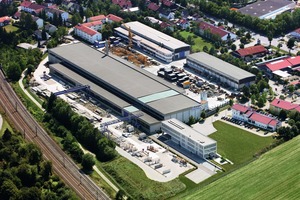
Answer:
x=63 y=166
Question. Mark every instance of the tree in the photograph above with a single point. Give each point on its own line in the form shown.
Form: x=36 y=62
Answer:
x=242 y=46
x=230 y=102
x=246 y=91
x=291 y=88
x=243 y=40
x=8 y=190
x=7 y=135
x=205 y=49
x=282 y=114
x=88 y=161
x=290 y=44
x=233 y=47
x=248 y=36
x=192 y=120
x=212 y=51
x=260 y=102
x=203 y=114
x=13 y=71
x=270 y=38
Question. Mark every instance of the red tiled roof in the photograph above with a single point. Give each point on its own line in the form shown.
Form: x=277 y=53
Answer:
x=295 y=82
x=278 y=65
x=164 y=25
x=294 y=60
x=240 y=108
x=97 y=18
x=263 y=119
x=252 y=50
x=167 y=3
x=3 y=19
x=25 y=3
x=115 y=2
x=36 y=7
x=153 y=6
x=297 y=108
x=285 y=105
x=297 y=30
x=87 y=30
x=114 y=18
x=213 y=29
x=17 y=14
x=89 y=24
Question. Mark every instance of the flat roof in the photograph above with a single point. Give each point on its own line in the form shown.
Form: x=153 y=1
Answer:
x=219 y=66
x=155 y=35
x=261 y=8
x=120 y=74
x=188 y=132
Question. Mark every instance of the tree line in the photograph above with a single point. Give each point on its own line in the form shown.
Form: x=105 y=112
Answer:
x=68 y=123
x=24 y=175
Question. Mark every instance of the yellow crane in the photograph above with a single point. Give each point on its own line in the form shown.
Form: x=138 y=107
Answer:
x=130 y=35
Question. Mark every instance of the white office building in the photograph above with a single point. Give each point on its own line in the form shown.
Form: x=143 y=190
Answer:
x=189 y=138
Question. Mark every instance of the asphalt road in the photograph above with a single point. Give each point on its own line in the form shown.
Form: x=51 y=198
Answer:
x=62 y=165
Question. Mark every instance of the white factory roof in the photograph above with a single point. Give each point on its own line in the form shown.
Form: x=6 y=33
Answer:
x=153 y=34
x=188 y=132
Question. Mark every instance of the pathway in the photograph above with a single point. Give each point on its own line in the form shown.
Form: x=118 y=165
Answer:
x=1 y=122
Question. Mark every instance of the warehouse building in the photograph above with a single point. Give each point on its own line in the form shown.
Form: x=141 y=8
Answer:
x=268 y=9
x=122 y=86
x=189 y=138
x=224 y=72
x=154 y=42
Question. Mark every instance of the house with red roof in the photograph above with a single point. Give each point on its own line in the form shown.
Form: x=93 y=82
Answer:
x=205 y=27
x=153 y=6
x=4 y=21
x=124 y=4
x=97 y=25
x=87 y=33
x=251 y=52
x=113 y=18
x=101 y=18
x=278 y=105
x=250 y=116
x=167 y=3
x=32 y=8
x=183 y=23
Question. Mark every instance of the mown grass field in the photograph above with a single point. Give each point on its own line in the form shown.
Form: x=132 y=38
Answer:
x=11 y=28
x=236 y=144
x=134 y=181
x=199 y=42
x=275 y=175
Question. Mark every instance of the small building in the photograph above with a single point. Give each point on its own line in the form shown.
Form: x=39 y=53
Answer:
x=251 y=52
x=183 y=23
x=277 y=105
x=124 y=4
x=51 y=11
x=32 y=8
x=113 y=18
x=206 y=29
x=39 y=21
x=296 y=33
x=87 y=33
x=166 y=14
x=4 y=21
x=101 y=18
x=50 y=28
x=39 y=35
x=189 y=139
x=250 y=116
x=153 y=6
x=17 y=15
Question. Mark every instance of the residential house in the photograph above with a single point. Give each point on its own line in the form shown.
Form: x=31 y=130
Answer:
x=296 y=33
x=277 y=105
x=17 y=15
x=4 y=21
x=166 y=25
x=96 y=25
x=101 y=18
x=250 y=116
x=50 y=28
x=39 y=35
x=113 y=18
x=153 y=6
x=87 y=33
x=167 y=14
x=7 y=2
x=124 y=4
x=215 y=30
x=51 y=11
x=32 y=8
x=251 y=52
x=167 y=3
x=183 y=23
x=39 y=22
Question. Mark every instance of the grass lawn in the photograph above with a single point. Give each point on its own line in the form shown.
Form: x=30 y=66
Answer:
x=134 y=181
x=275 y=175
x=199 y=42
x=5 y=125
x=236 y=144
x=11 y=28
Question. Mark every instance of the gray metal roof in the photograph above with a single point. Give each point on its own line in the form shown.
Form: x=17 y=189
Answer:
x=159 y=37
x=95 y=88
x=219 y=66
x=261 y=8
x=173 y=104
x=120 y=74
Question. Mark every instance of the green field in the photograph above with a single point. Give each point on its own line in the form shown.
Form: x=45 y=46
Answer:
x=11 y=28
x=199 y=42
x=275 y=175
x=134 y=181
x=236 y=144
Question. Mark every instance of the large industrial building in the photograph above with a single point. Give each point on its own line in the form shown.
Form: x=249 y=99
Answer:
x=189 y=139
x=224 y=72
x=122 y=86
x=154 y=42
x=268 y=9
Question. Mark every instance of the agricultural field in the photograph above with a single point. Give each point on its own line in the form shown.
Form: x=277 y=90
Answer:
x=236 y=144
x=198 y=42
x=134 y=181
x=275 y=175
